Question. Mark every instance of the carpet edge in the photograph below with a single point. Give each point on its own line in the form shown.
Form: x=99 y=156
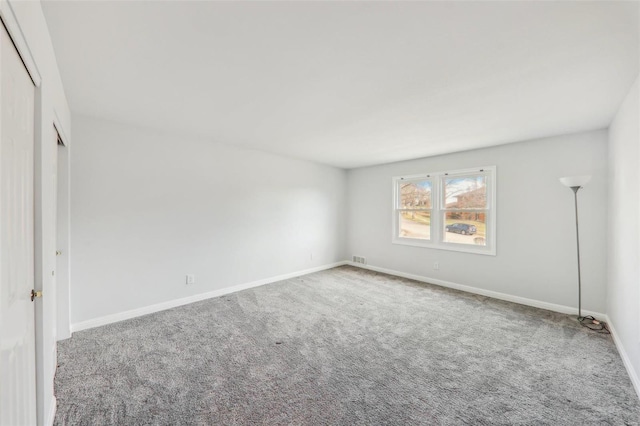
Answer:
x=475 y=290
x=133 y=313
x=633 y=376
x=635 y=380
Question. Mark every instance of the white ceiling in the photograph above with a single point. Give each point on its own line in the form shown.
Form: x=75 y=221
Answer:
x=349 y=83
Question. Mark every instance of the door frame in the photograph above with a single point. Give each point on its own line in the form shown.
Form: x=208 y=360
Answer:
x=63 y=236
x=8 y=18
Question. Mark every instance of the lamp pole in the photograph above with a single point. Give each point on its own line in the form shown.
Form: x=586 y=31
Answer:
x=575 y=183
x=575 y=198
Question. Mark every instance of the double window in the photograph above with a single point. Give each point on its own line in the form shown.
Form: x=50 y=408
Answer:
x=452 y=210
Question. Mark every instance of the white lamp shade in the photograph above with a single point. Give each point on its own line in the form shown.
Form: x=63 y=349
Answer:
x=572 y=181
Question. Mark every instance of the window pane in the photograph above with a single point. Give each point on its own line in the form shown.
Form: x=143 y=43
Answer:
x=468 y=192
x=415 y=224
x=415 y=195
x=466 y=228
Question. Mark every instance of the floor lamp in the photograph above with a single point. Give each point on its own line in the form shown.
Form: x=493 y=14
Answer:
x=575 y=183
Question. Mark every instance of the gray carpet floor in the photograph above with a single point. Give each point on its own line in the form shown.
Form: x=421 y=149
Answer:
x=344 y=346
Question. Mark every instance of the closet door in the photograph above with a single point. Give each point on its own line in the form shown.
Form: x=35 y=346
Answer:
x=17 y=313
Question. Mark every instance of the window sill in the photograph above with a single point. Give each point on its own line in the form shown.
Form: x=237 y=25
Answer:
x=487 y=251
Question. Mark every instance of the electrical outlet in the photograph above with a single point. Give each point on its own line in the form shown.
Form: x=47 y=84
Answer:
x=436 y=265
x=191 y=279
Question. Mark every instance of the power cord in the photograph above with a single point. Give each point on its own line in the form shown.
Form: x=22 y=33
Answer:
x=593 y=324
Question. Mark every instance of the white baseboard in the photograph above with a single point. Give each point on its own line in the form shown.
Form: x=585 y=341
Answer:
x=64 y=335
x=494 y=294
x=109 y=319
x=635 y=380
x=51 y=416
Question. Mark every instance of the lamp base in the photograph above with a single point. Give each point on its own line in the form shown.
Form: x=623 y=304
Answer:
x=593 y=324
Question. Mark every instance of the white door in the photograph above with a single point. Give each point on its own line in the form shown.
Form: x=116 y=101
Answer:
x=17 y=339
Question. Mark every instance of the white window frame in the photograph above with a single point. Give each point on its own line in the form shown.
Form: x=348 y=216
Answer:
x=438 y=211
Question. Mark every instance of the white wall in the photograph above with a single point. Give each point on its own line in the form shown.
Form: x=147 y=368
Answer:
x=148 y=208
x=51 y=107
x=623 y=291
x=536 y=252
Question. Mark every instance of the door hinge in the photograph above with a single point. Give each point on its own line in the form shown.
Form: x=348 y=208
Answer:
x=35 y=294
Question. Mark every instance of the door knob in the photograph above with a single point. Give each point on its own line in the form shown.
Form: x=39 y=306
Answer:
x=35 y=294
